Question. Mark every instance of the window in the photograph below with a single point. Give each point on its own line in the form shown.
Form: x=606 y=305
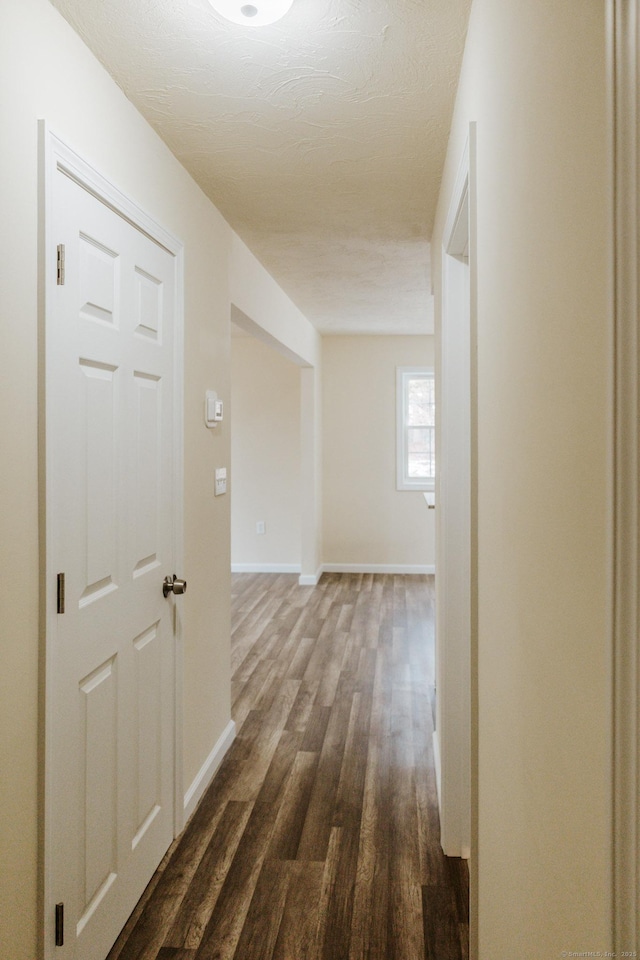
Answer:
x=416 y=408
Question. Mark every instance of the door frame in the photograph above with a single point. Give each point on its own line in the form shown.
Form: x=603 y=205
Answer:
x=623 y=53
x=456 y=621
x=55 y=157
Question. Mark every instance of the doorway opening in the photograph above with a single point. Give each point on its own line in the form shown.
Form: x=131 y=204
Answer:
x=265 y=458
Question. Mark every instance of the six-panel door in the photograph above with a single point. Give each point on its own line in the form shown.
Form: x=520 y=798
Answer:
x=111 y=392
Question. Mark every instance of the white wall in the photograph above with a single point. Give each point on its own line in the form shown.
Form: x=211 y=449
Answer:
x=366 y=520
x=534 y=80
x=46 y=71
x=265 y=456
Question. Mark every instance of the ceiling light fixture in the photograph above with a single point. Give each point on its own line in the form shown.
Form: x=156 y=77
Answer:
x=259 y=13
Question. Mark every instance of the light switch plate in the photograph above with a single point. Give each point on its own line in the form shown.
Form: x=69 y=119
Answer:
x=213 y=409
x=221 y=481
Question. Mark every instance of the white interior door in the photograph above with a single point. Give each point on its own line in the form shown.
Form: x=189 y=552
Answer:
x=111 y=512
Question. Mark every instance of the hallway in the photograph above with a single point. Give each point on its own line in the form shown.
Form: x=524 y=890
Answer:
x=319 y=837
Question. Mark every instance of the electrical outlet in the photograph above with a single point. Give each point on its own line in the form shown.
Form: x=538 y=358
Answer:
x=260 y=527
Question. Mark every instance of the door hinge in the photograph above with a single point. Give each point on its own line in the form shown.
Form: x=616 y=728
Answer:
x=59 y=924
x=61 y=593
x=60 y=275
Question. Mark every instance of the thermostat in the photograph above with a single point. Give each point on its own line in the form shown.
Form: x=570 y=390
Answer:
x=213 y=409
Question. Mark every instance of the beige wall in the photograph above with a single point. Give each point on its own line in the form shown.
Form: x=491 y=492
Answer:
x=262 y=308
x=366 y=520
x=534 y=80
x=47 y=72
x=256 y=294
x=265 y=456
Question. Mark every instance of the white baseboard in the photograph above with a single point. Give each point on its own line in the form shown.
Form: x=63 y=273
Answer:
x=311 y=579
x=399 y=568
x=208 y=770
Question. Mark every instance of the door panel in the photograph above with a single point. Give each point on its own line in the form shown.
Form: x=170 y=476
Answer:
x=148 y=730
x=110 y=494
x=97 y=475
x=99 y=276
x=149 y=299
x=98 y=807
x=148 y=444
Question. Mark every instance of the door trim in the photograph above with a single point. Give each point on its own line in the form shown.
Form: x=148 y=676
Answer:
x=456 y=573
x=623 y=41
x=55 y=156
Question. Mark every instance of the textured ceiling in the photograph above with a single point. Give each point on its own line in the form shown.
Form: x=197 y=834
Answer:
x=321 y=138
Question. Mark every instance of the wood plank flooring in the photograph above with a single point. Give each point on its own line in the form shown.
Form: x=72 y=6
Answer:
x=319 y=837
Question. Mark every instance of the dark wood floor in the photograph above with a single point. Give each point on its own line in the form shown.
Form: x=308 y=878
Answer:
x=319 y=837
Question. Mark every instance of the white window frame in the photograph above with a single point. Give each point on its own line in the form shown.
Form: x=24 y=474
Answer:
x=403 y=480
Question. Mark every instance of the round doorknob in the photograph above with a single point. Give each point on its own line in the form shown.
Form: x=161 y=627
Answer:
x=173 y=585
